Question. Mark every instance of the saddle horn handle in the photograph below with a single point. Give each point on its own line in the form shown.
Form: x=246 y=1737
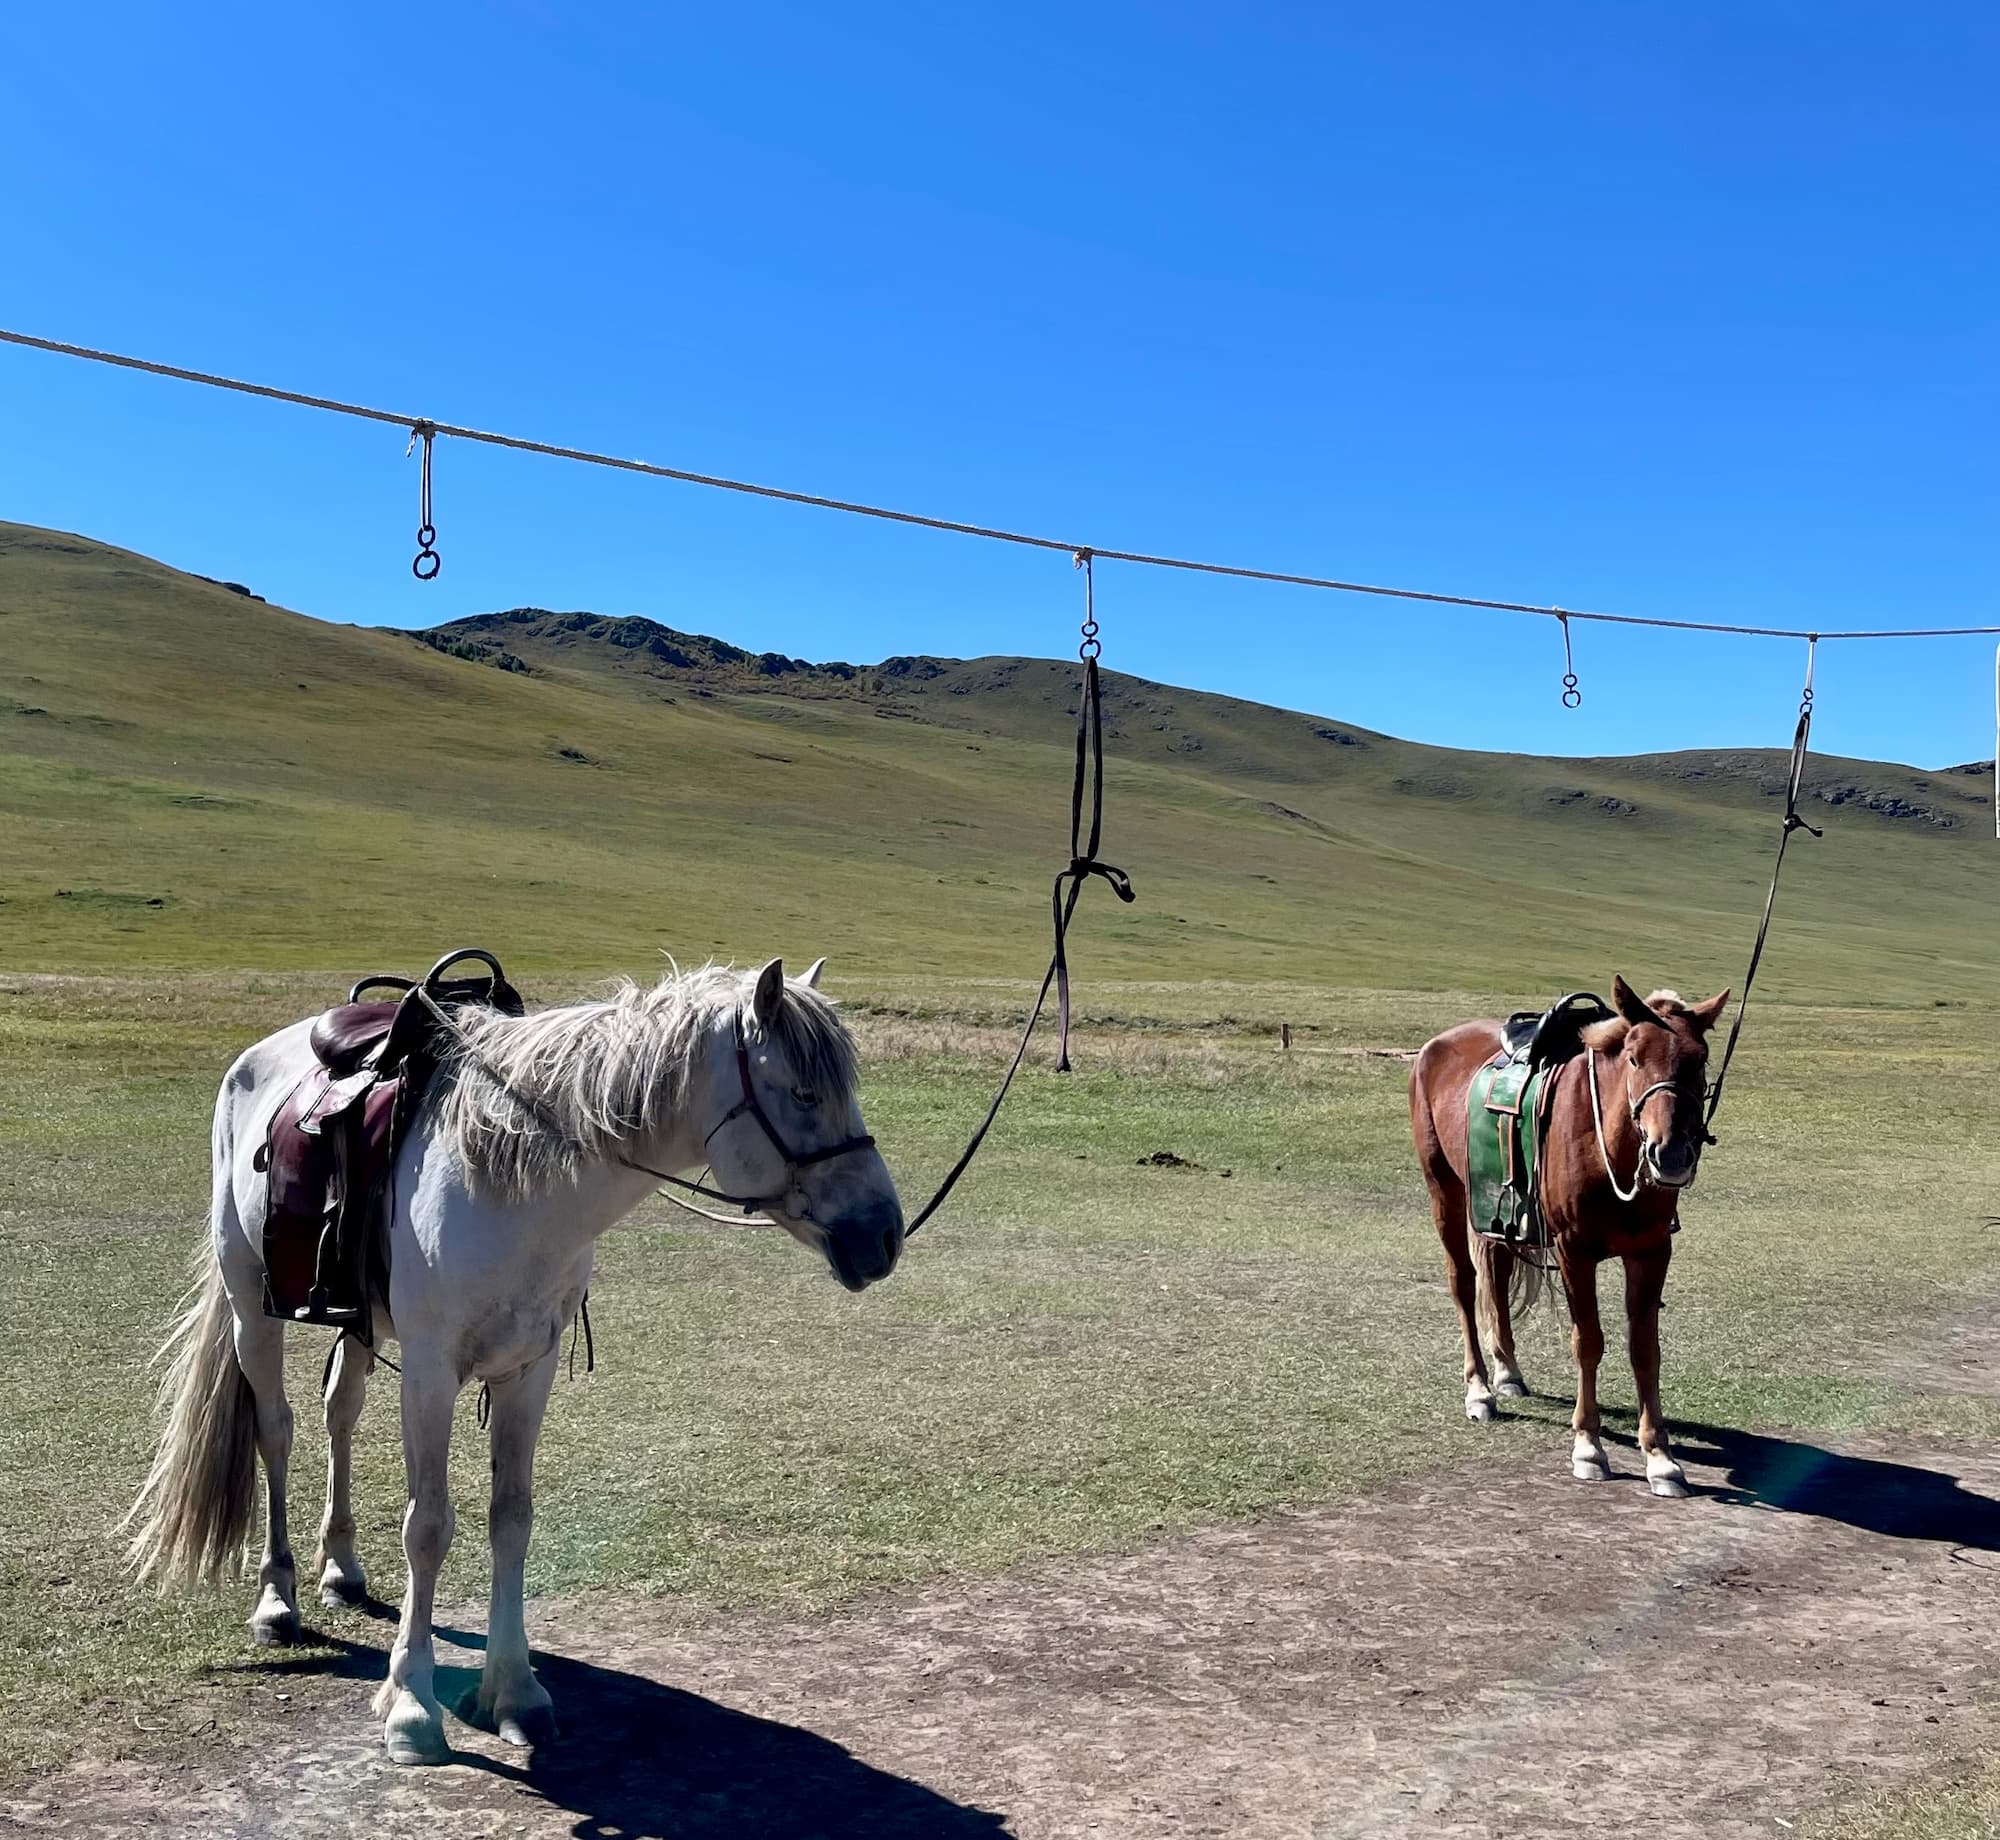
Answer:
x=435 y=975
x=385 y=980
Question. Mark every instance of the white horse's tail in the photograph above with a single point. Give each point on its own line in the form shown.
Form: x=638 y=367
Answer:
x=193 y=1514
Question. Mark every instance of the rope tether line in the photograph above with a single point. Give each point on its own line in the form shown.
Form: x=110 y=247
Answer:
x=1793 y=822
x=333 y=406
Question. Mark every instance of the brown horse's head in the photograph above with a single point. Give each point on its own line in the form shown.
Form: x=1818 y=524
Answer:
x=1662 y=1050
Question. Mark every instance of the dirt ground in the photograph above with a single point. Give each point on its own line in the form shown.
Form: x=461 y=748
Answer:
x=1475 y=1653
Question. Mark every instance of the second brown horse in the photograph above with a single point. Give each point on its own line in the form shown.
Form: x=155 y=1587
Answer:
x=1625 y=1133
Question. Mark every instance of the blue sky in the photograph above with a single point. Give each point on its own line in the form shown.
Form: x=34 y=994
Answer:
x=1688 y=311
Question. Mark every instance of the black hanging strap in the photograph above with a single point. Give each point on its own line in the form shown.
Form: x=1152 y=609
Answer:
x=1083 y=864
x=1793 y=822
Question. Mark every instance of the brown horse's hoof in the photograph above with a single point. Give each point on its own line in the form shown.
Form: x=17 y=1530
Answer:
x=1479 y=1410
x=1589 y=1472
x=1673 y=1488
x=1511 y=1389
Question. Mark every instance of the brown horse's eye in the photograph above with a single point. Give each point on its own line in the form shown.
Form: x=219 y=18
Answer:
x=805 y=1096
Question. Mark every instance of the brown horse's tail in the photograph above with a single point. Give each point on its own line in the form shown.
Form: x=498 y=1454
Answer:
x=1526 y=1285
x=1526 y=1279
x=193 y=1513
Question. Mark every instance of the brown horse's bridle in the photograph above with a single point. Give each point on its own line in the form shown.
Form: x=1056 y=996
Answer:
x=1633 y=1108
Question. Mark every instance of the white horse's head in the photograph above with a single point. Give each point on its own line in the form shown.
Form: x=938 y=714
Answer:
x=781 y=1120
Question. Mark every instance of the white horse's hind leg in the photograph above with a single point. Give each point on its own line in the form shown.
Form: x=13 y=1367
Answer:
x=413 y=1728
x=511 y=1699
x=341 y=1579
x=260 y=1352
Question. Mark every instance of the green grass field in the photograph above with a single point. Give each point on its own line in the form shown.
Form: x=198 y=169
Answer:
x=1081 y=1351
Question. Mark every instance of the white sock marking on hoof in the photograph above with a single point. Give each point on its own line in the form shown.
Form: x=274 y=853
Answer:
x=1665 y=1477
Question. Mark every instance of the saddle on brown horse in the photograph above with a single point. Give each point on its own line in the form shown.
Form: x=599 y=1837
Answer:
x=331 y=1149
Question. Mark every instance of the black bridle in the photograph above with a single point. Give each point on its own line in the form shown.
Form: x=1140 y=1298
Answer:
x=753 y=1107
x=748 y=1103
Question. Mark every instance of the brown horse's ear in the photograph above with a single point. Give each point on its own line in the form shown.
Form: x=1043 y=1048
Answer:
x=1626 y=1002
x=1705 y=1016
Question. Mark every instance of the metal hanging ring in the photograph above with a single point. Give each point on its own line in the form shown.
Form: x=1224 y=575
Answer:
x=1572 y=696
x=1090 y=648
x=428 y=562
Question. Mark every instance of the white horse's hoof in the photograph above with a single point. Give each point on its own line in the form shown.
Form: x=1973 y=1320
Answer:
x=531 y=1726
x=1479 y=1410
x=343 y=1588
x=414 y=1733
x=276 y=1631
x=1510 y=1386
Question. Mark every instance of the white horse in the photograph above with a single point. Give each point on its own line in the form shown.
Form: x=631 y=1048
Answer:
x=517 y=1162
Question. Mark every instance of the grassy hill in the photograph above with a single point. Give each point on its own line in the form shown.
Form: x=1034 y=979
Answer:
x=189 y=776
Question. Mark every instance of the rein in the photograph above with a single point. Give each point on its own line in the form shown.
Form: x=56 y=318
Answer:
x=1793 y=822
x=1064 y=895
x=747 y=1104
x=1067 y=890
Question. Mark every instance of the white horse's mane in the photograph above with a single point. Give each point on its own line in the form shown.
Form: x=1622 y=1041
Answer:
x=602 y=1076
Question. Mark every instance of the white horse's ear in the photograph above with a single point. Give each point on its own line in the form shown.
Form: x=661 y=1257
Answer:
x=769 y=994
x=811 y=978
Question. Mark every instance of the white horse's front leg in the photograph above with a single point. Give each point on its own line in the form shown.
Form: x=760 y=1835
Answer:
x=341 y=1579
x=414 y=1721
x=511 y=1700
x=260 y=1353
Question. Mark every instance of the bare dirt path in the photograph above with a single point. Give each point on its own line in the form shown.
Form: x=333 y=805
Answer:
x=1486 y=1653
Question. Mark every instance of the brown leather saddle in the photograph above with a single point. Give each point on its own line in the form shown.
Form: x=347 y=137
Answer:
x=331 y=1149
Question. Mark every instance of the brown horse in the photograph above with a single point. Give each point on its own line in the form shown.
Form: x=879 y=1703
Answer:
x=1625 y=1134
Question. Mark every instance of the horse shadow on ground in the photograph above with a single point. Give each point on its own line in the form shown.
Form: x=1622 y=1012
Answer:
x=1900 y=1501
x=643 y=1761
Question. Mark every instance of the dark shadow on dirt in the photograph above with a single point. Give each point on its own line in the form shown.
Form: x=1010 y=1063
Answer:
x=644 y=1761
x=1901 y=1501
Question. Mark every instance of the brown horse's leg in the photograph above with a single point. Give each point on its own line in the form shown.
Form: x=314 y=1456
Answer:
x=1495 y=1261
x=1449 y=1214
x=1448 y=1211
x=1645 y=1279
x=1587 y=1461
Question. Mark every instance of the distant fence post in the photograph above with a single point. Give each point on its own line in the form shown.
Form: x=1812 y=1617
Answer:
x=1285 y=1036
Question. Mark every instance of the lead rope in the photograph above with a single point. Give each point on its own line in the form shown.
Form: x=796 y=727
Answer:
x=1082 y=865
x=1793 y=822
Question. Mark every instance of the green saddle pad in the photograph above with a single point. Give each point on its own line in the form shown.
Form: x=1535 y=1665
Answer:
x=1503 y=1148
